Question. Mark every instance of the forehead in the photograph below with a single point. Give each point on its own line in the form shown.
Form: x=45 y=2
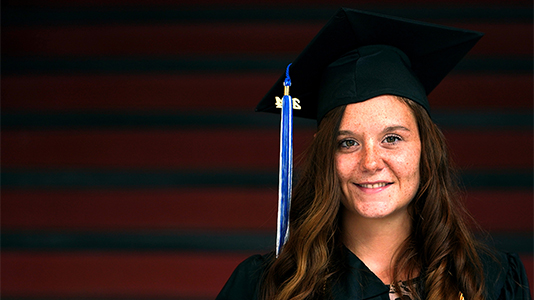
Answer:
x=383 y=110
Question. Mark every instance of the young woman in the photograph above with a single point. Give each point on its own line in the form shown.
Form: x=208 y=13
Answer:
x=375 y=213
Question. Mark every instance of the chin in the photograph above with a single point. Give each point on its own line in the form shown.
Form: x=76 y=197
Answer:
x=379 y=211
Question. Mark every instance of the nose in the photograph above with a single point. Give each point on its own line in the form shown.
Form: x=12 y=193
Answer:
x=371 y=160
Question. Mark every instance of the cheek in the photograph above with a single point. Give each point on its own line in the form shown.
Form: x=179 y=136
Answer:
x=343 y=166
x=411 y=168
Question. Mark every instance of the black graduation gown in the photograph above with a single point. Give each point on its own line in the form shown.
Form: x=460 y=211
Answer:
x=505 y=280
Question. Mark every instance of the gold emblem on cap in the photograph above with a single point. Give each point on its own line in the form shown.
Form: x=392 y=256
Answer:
x=296 y=103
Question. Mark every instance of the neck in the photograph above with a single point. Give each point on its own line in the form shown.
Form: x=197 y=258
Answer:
x=376 y=241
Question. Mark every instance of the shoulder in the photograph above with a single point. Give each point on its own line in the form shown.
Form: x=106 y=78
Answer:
x=254 y=266
x=505 y=276
x=245 y=281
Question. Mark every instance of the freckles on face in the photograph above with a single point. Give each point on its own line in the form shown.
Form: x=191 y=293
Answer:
x=378 y=157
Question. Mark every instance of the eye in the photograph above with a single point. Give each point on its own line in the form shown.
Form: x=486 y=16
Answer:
x=392 y=139
x=347 y=143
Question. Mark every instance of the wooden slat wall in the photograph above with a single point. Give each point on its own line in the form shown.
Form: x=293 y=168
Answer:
x=133 y=165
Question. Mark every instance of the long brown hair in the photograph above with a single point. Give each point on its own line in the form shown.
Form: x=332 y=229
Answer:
x=440 y=246
x=441 y=243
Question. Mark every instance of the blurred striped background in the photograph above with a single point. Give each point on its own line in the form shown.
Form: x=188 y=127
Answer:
x=133 y=165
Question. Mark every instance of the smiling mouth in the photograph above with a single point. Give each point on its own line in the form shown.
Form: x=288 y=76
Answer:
x=374 y=185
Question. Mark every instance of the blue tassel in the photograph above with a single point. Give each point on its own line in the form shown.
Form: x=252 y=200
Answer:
x=286 y=166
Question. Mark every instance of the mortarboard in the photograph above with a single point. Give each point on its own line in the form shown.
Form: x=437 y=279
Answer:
x=365 y=44
x=355 y=57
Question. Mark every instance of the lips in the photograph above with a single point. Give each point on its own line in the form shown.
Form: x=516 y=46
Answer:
x=373 y=185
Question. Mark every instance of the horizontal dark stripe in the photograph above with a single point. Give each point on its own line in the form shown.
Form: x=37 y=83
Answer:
x=483 y=119
x=69 y=16
x=20 y=66
x=255 y=242
x=105 y=298
x=83 y=179
x=497 y=179
x=236 y=38
x=90 y=15
x=84 y=297
x=231 y=3
x=512 y=119
x=513 y=13
x=513 y=242
x=205 y=119
x=235 y=242
x=504 y=65
x=134 y=179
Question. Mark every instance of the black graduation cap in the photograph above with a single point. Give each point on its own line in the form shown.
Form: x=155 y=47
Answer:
x=359 y=55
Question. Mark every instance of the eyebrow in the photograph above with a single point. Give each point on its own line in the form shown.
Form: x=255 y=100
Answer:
x=344 y=132
x=387 y=129
x=395 y=128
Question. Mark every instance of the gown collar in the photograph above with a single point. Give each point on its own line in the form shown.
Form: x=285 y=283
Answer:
x=359 y=280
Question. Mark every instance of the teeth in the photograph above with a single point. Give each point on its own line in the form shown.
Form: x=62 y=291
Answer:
x=373 y=186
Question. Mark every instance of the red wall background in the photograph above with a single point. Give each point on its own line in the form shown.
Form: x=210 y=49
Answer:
x=133 y=165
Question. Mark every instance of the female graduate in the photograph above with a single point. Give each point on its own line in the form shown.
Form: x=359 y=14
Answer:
x=375 y=212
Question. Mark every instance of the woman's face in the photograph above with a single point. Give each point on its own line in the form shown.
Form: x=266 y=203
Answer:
x=377 y=158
